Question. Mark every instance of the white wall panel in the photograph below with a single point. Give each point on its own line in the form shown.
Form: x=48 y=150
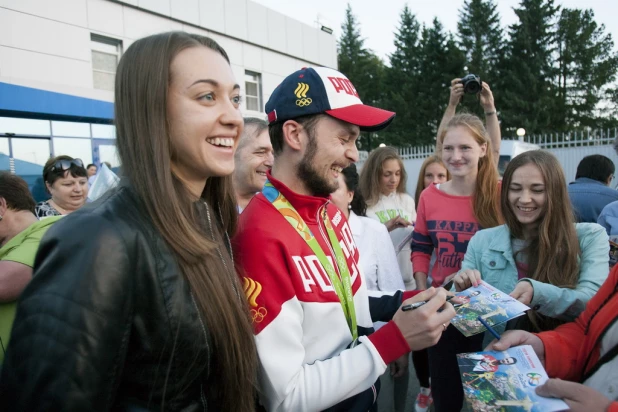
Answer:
x=196 y=30
x=276 y=63
x=232 y=47
x=269 y=82
x=212 y=15
x=138 y=24
x=294 y=37
x=236 y=18
x=105 y=16
x=22 y=64
x=257 y=21
x=68 y=11
x=310 y=44
x=327 y=49
x=27 y=32
x=158 y=6
x=252 y=57
x=276 y=23
x=239 y=75
x=186 y=10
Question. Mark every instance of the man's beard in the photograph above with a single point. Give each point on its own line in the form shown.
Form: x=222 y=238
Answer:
x=318 y=185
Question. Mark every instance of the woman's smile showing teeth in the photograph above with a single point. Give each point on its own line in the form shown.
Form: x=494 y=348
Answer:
x=221 y=141
x=526 y=209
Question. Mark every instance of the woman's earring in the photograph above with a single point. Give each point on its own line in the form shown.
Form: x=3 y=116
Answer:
x=350 y=206
x=0 y=217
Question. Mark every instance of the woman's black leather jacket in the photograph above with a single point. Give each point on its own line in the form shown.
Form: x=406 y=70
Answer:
x=108 y=321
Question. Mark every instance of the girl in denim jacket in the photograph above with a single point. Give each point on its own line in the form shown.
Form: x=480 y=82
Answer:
x=540 y=256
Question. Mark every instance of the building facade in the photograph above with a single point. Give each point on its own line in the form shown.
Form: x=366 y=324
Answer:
x=58 y=60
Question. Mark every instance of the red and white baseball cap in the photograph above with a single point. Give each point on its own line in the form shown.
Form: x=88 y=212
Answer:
x=315 y=90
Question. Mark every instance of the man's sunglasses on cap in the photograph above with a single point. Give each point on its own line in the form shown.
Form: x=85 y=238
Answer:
x=65 y=165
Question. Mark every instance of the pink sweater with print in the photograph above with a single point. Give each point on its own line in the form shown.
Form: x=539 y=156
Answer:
x=445 y=223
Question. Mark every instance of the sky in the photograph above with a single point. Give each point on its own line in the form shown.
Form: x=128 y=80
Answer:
x=379 y=19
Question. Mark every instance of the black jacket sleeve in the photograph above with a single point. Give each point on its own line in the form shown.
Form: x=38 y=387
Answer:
x=383 y=308
x=73 y=321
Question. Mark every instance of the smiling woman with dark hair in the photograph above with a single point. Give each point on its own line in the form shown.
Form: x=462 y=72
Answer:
x=135 y=303
x=66 y=180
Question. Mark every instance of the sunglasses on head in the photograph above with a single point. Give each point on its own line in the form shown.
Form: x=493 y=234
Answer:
x=65 y=165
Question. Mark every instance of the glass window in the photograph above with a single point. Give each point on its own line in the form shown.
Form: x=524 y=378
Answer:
x=4 y=145
x=103 y=80
x=24 y=126
x=76 y=148
x=5 y=160
x=104 y=61
x=70 y=129
x=105 y=56
x=108 y=153
x=253 y=91
x=104 y=131
x=30 y=155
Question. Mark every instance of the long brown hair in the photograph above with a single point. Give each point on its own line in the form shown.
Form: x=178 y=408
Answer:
x=420 y=184
x=553 y=253
x=371 y=174
x=485 y=200
x=145 y=148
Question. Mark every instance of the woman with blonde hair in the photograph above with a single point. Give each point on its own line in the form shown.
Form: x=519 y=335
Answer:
x=448 y=215
x=135 y=304
x=383 y=184
x=432 y=172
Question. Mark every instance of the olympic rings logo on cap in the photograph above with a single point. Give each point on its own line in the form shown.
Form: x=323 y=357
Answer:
x=304 y=102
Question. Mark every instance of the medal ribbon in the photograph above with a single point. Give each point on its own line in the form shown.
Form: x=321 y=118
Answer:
x=342 y=283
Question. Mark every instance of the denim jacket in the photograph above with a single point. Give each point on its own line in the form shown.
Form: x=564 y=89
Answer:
x=589 y=197
x=490 y=252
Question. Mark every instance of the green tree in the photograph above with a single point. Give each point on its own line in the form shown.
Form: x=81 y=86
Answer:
x=609 y=112
x=526 y=96
x=441 y=61
x=364 y=69
x=587 y=64
x=402 y=83
x=480 y=36
x=481 y=39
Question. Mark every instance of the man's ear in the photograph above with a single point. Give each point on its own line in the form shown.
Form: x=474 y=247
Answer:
x=292 y=134
x=3 y=206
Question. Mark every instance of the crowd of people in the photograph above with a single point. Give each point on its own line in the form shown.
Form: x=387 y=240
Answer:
x=244 y=264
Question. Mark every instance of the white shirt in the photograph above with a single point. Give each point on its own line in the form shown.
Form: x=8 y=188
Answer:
x=385 y=209
x=378 y=261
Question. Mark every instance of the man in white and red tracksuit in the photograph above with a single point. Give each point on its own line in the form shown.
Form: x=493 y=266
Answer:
x=311 y=310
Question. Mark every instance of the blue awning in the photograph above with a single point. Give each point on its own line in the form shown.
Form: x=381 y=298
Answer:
x=20 y=101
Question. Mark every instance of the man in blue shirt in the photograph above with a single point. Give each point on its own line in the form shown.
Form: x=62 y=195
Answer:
x=590 y=192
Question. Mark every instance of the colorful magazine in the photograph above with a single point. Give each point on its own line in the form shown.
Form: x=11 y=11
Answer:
x=505 y=381
x=492 y=305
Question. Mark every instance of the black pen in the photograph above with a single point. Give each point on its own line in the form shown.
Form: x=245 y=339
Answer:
x=419 y=304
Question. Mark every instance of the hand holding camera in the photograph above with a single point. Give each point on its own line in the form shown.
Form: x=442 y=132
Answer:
x=472 y=84
x=487 y=100
x=457 y=91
